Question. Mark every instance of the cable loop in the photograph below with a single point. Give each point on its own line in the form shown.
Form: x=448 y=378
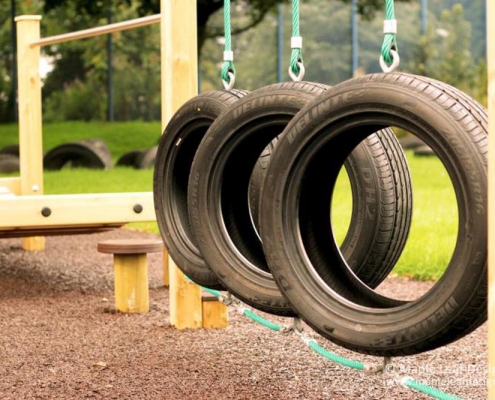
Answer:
x=297 y=76
x=389 y=52
x=395 y=62
x=228 y=85
x=296 y=66
x=228 y=69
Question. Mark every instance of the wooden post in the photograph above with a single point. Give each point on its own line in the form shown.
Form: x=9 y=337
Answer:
x=215 y=313
x=130 y=271
x=179 y=83
x=131 y=283
x=30 y=128
x=490 y=14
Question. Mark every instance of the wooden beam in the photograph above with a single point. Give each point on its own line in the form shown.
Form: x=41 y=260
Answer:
x=76 y=209
x=99 y=30
x=29 y=98
x=490 y=14
x=179 y=73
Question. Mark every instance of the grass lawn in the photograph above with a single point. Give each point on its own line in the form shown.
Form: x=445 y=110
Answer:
x=120 y=137
x=434 y=226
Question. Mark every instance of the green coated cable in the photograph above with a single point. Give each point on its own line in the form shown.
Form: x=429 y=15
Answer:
x=436 y=393
x=334 y=357
x=228 y=65
x=296 y=54
x=390 y=39
x=215 y=293
x=261 y=320
x=347 y=362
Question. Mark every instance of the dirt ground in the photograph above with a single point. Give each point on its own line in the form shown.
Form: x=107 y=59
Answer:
x=61 y=339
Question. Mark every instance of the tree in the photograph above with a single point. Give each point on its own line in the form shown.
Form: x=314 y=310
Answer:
x=256 y=10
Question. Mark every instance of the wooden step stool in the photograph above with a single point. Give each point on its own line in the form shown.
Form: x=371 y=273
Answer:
x=131 y=271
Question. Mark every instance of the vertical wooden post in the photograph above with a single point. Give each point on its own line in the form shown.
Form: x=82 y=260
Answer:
x=490 y=14
x=179 y=83
x=215 y=313
x=131 y=283
x=30 y=127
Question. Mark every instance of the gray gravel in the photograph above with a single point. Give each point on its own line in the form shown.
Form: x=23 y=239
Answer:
x=61 y=339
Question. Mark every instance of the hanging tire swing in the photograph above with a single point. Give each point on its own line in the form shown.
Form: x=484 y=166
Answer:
x=219 y=195
x=176 y=149
x=306 y=263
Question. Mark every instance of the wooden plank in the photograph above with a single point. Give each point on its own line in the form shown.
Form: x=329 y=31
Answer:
x=29 y=99
x=99 y=30
x=76 y=209
x=19 y=232
x=491 y=197
x=179 y=83
x=215 y=313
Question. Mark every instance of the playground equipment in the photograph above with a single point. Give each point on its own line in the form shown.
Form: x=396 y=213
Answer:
x=178 y=55
x=219 y=205
x=130 y=271
x=30 y=212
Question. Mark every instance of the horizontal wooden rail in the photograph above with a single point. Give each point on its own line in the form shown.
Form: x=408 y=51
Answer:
x=75 y=209
x=100 y=30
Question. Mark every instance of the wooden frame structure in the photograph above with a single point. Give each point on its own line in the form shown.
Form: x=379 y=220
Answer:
x=22 y=209
x=28 y=211
x=179 y=83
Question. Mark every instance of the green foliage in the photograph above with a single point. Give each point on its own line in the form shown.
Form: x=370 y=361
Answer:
x=79 y=102
x=445 y=53
x=80 y=67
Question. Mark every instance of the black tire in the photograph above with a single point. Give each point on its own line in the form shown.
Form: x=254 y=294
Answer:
x=9 y=163
x=89 y=153
x=147 y=158
x=129 y=159
x=174 y=156
x=411 y=142
x=219 y=198
x=424 y=150
x=12 y=149
x=332 y=300
x=256 y=181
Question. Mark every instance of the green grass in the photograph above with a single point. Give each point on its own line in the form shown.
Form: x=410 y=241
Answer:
x=120 y=137
x=120 y=179
x=434 y=226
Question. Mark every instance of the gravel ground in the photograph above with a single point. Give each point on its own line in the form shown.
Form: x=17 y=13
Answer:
x=61 y=339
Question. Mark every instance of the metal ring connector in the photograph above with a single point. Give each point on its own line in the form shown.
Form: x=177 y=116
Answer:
x=302 y=71
x=229 y=85
x=395 y=62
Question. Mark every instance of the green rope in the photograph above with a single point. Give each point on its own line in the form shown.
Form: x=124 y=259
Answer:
x=215 y=293
x=228 y=65
x=334 y=357
x=390 y=39
x=313 y=345
x=261 y=320
x=296 y=54
x=436 y=393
